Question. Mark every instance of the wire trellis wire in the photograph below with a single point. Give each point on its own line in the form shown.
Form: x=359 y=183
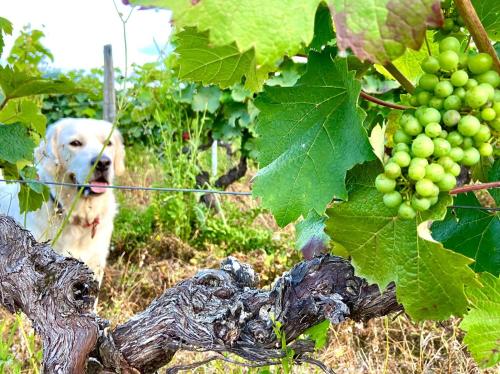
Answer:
x=188 y=190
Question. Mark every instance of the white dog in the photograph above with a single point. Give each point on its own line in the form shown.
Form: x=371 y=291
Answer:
x=68 y=154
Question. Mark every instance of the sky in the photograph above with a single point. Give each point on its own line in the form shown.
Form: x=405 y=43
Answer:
x=76 y=31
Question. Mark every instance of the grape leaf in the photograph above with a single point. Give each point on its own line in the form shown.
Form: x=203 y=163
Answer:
x=488 y=12
x=15 y=143
x=30 y=200
x=310 y=234
x=24 y=111
x=272 y=27
x=206 y=98
x=380 y=30
x=311 y=134
x=409 y=63
x=429 y=279
x=482 y=322
x=494 y=176
x=223 y=65
x=473 y=232
x=323 y=28
x=318 y=333
x=15 y=83
x=5 y=29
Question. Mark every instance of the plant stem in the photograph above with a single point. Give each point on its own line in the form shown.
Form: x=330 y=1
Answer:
x=375 y=100
x=476 y=29
x=475 y=187
x=3 y=103
x=407 y=85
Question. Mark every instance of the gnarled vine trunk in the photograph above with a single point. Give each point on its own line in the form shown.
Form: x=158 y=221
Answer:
x=217 y=310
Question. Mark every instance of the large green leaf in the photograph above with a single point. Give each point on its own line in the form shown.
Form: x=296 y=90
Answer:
x=494 y=175
x=15 y=143
x=323 y=28
x=5 y=29
x=429 y=279
x=24 y=111
x=272 y=27
x=473 y=232
x=310 y=135
x=381 y=30
x=223 y=65
x=482 y=323
x=489 y=14
x=15 y=83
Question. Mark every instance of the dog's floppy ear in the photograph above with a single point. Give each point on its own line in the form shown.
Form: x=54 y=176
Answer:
x=47 y=152
x=119 y=160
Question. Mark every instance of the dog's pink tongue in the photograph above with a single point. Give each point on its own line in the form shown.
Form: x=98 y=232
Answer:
x=96 y=187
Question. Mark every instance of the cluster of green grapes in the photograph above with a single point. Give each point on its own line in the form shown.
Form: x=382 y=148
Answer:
x=456 y=122
x=453 y=23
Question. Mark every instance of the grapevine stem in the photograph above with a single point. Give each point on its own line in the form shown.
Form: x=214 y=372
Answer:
x=375 y=100
x=427 y=45
x=407 y=85
x=476 y=29
x=475 y=187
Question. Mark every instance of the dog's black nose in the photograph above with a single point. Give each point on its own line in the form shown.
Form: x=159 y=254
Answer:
x=103 y=164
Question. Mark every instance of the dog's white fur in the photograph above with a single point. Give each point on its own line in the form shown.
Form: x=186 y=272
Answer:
x=87 y=234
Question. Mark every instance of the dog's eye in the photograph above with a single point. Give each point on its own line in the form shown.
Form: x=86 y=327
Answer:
x=76 y=143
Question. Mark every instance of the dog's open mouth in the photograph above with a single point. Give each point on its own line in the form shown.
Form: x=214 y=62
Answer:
x=96 y=186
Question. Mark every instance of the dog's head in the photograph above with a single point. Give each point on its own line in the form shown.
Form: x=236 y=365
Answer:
x=76 y=149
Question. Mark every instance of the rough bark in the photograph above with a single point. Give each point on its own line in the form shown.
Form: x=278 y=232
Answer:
x=216 y=310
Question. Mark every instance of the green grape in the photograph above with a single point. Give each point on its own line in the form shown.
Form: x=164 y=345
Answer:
x=459 y=78
x=454 y=138
x=433 y=129
x=401 y=158
x=392 y=199
x=456 y=154
x=405 y=211
x=433 y=200
x=449 y=44
x=447 y=183
x=419 y=112
x=496 y=108
x=446 y=162
x=443 y=134
x=490 y=77
x=401 y=137
x=495 y=124
x=496 y=98
x=430 y=65
x=413 y=101
x=460 y=92
x=436 y=103
x=430 y=115
x=412 y=127
x=443 y=89
x=476 y=97
x=416 y=172
x=448 y=24
x=441 y=147
x=392 y=170
x=467 y=143
x=452 y=102
x=422 y=146
x=471 y=83
x=400 y=147
x=420 y=204
x=419 y=161
x=455 y=170
x=468 y=125
x=483 y=134
x=428 y=82
x=384 y=184
x=434 y=172
x=435 y=190
x=488 y=114
x=471 y=157
x=425 y=187
x=462 y=60
x=423 y=97
x=448 y=60
x=451 y=117
x=486 y=149
x=480 y=63
x=490 y=91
